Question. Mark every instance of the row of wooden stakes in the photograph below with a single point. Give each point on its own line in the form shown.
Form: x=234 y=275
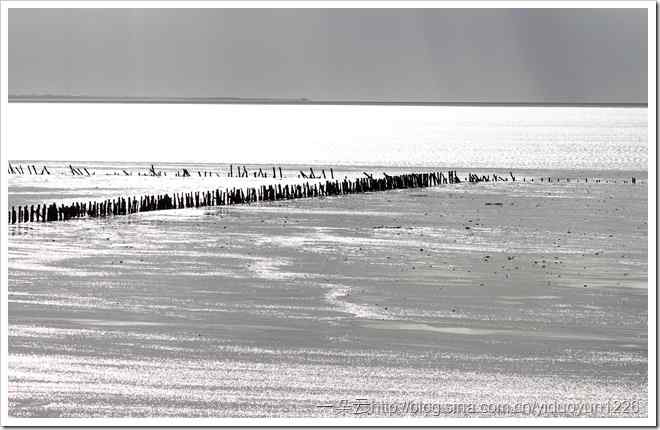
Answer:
x=233 y=196
x=31 y=169
x=126 y=206
x=241 y=171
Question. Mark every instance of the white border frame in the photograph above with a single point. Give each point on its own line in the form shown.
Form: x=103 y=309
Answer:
x=309 y=422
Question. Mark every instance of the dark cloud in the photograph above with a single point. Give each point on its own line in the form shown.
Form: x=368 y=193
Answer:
x=492 y=55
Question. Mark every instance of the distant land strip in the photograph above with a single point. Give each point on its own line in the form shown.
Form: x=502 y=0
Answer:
x=288 y=101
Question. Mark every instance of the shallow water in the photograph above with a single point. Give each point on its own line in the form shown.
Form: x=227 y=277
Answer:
x=277 y=309
x=493 y=294
x=109 y=181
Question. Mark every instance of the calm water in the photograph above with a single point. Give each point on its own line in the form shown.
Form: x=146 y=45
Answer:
x=432 y=295
x=426 y=295
x=469 y=137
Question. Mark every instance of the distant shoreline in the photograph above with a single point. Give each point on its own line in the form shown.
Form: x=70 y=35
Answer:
x=284 y=101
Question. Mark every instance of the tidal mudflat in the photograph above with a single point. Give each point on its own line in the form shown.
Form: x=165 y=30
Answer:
x=470 y=294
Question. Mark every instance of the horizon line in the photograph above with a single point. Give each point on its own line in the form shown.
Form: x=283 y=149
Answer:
x=297 y=101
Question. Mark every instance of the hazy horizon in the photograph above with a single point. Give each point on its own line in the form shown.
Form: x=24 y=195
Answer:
x=70 y=98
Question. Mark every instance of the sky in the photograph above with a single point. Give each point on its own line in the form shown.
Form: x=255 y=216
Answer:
x=432 y=55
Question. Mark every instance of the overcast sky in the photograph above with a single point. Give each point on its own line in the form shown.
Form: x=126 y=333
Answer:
x=480 y=55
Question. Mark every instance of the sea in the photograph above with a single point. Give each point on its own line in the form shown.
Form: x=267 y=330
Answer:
x=115 y=139
x=516 y=299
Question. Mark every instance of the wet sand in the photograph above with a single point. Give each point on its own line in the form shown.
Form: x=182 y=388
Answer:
x=491 y=293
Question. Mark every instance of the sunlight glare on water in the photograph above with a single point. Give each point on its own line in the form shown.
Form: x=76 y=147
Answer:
x=505 y=137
